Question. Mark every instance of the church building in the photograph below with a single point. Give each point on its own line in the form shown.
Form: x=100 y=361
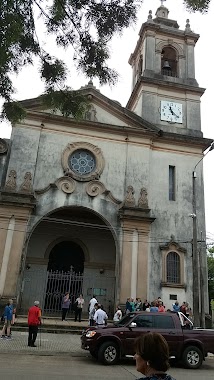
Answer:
x=102 y=205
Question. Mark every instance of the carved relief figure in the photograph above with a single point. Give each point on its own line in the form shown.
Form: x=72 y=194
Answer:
x=11 y=182
x=26 y=186
x=129 y=199
x=90 y=113
x=143 y=199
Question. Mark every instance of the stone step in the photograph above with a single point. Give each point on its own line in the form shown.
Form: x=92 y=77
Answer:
x=53 y=325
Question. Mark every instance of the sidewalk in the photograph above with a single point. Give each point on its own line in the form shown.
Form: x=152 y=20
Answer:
x=47 y=344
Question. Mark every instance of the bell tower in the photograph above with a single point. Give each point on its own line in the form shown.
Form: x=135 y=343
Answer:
x=164 y=88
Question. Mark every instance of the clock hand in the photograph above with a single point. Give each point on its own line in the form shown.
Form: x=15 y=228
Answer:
x=173 y=113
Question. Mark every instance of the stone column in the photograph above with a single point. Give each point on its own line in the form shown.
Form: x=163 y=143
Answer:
x=126 y=264
x=134 y=266
x=142 y=274
x=15 y=210
x=190 y=61
x=6 y=253
x=150 y=51
x=136 y=225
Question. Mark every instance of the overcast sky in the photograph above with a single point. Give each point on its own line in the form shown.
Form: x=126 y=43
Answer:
x=28 y=84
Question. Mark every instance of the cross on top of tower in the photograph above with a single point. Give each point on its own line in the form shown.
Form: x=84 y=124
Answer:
x=162 y=1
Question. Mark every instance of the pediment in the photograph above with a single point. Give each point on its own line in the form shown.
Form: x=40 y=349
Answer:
x=102 y=110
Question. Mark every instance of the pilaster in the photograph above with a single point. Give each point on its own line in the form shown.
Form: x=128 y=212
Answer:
x=136 y=223
x=15 y=210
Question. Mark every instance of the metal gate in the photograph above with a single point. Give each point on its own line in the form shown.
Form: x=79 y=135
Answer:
x=57 y=284
x=49 y=288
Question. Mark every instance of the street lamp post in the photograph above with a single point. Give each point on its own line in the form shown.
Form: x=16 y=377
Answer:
x=195 y=256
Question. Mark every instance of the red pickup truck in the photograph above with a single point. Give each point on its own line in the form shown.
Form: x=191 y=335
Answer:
x=186 y=343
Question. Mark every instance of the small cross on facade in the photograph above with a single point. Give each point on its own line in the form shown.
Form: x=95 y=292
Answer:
x=162 y=1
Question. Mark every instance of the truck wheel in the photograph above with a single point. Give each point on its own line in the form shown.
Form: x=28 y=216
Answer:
x=108 y=353
x=192 y=357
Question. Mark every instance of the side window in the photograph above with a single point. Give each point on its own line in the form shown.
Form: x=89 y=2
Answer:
x=173 y=271
x=172 y=183
x=143 y=321
x=163 y=322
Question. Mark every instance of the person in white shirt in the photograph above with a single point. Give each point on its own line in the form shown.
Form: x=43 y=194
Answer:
x=79 y=305
x=92 y=303
x=100 y=317
x=91 y=310
x=118 y=315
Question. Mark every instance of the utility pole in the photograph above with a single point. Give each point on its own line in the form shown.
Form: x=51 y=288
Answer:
x=195 y=255
x=195 y=262
x=203 y=324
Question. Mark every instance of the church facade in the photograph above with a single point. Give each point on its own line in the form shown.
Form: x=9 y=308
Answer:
x=101 y=205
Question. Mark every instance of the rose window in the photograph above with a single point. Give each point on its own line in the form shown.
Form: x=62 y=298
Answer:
x=82 y=162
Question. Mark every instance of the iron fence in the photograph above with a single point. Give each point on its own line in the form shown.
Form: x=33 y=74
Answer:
x=49 y=287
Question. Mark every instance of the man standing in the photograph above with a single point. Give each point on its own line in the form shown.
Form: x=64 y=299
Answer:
x=100 y=316
x=34 y=320
x=91 y=311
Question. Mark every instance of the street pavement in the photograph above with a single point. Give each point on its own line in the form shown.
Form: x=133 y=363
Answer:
x=60 y=356
x=46 y=344
x=59 y=367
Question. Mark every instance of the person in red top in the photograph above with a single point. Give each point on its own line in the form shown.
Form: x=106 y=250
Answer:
x=34 y=320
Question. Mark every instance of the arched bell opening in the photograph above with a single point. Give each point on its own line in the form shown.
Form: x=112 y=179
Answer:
x=169 y=66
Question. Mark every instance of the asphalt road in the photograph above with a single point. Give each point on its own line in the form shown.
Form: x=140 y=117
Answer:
x=16 y=366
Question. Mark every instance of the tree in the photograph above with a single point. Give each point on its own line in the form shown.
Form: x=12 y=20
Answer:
x=86 y=25
x=197 y=5
x=210 y=264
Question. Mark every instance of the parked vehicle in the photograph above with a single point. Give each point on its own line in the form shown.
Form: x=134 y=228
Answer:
x=186 y=343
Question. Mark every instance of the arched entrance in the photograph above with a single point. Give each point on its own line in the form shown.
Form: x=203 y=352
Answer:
x=65 y=255
x=64 y=274
x=70 y=237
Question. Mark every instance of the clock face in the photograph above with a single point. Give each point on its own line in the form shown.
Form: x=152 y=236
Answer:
x=171 y=112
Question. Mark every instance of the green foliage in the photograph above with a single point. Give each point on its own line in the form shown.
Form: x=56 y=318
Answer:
x=13 y=111
x=210 y=264
x=69 y=103
x=86 y=25
x=197 y=5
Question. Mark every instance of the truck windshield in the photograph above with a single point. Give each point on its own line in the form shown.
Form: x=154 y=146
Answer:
x=125 y=320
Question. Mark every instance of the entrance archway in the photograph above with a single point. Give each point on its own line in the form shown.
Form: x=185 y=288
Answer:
x=65 y=255
x=75 y=237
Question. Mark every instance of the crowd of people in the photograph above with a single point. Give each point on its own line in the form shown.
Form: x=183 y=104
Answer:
x=156 y=306
x=96 y=313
